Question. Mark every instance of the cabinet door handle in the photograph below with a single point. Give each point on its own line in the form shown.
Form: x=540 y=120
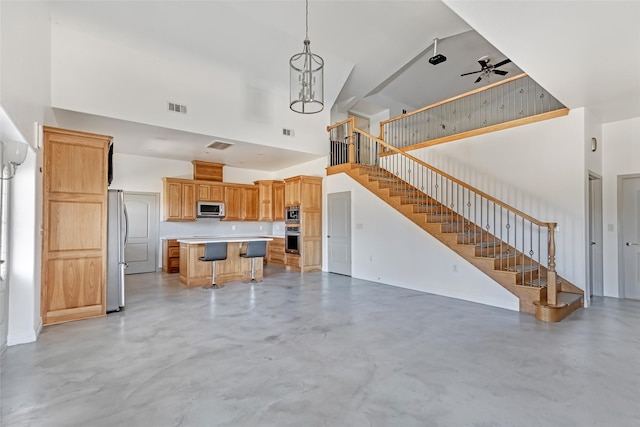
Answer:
x=633 y=244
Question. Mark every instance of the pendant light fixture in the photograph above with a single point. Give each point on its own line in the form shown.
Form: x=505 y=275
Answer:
x=306 y=90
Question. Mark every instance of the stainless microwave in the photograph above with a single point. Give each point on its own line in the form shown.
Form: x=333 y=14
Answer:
x=210 y=210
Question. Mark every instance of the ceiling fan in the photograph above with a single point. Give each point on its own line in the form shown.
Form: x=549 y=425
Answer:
x=487 y=68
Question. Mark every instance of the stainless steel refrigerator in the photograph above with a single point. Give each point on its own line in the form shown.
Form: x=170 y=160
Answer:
x=117 y=235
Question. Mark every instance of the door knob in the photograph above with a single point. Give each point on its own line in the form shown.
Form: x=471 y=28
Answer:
x=593 y=243
x=633 y=244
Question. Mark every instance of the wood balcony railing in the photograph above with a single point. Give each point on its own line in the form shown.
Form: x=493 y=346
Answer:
x=511 y=102
x=517 y=241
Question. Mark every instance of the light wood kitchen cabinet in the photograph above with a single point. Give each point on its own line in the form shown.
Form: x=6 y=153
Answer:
x=209 y=193
x=270 y=200
x=306 y=191
x=179 y=199
x=241 y=202
x=292 y=191
x=250 y=203
x=278 y=201
x=74 y=227
x=233 y=203
x=275 y=253
x=207 y=171
x=170 y=256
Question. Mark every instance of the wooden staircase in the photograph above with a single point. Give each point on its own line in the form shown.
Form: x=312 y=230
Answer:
x=515 y=271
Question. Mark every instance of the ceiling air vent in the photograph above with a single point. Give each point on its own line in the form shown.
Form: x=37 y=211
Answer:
x=219 y=145
x=287 y=132
x=177 y=108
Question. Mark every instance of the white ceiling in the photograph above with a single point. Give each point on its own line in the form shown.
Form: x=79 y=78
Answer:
x=570 y=48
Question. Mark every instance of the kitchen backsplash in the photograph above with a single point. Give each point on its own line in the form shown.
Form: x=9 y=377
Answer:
x=215 y=227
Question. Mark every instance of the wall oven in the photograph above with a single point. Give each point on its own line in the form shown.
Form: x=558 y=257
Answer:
x=292 y=240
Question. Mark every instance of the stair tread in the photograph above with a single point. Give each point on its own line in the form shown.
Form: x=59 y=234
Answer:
x=541 y=282
x=568 y=297
x=500 y=255
x=522 y=268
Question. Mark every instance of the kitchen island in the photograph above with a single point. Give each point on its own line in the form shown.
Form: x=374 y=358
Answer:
x=194 y=272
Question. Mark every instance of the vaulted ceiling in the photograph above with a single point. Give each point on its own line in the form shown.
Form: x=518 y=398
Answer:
x=585 y=53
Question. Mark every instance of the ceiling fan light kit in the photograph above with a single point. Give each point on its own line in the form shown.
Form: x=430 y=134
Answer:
x=486 y=68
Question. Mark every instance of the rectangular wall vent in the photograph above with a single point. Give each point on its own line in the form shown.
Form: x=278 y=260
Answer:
x=177 y=108
x=288 y=132
x=219 y=145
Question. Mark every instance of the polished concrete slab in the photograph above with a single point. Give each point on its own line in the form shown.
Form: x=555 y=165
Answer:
x=324 y=350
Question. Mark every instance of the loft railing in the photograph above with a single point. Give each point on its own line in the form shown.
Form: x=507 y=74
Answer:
x=510 y=102
x=517 y=241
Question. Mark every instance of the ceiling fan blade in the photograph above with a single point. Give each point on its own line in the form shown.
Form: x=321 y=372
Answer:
x=500 y=64
x=500 y=72
x=478 y=79
x=473 y=72
x=483 y=63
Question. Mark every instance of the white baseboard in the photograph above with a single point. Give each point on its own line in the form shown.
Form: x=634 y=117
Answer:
x=25 y=337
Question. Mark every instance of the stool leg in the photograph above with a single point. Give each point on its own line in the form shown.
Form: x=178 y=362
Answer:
x=213 y=284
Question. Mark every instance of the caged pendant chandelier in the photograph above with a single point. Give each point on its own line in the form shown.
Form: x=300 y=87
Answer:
x=306 y=90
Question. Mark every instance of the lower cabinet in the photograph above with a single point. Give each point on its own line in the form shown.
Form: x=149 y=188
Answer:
x=170 y=256
x=275 y=255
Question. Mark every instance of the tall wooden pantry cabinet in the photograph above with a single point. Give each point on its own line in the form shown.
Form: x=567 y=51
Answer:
x=74 y=222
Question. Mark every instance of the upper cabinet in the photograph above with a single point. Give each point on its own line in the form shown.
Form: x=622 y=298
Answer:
x=250 y=200
x=210 y=192
x=241 y=202
x=207 y=171
x=233 y=203
x=179 y=199
x=292 y=191
x=270 y=200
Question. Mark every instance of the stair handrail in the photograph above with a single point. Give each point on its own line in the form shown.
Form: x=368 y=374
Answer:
x=456 y=180
x=552 y=290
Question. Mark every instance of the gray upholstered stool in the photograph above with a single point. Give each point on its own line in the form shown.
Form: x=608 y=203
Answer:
x=255 y=250
x=214 y=252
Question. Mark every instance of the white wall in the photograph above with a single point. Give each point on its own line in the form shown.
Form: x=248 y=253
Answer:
x=539 y=169
x=388 y=248
x=25 y=87
x=620 y=156
x=95 y=75
x=25 y=321
x=312 y=168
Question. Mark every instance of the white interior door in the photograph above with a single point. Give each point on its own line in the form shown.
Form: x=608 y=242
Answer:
x=339 y=237
x=630 y=233
x=142 y=247
x=595 y=236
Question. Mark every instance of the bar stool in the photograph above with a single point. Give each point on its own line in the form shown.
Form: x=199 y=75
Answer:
x=213 y=252
x=255 y=249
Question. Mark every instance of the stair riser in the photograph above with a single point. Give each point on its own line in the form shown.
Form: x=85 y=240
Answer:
x=441 y=218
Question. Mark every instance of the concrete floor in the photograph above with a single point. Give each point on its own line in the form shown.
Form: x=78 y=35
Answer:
x=324 y=350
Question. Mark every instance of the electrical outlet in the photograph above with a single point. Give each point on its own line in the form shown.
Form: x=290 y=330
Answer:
x=233 y=228
x=455 y=268
x=370 y=258
x=260 y=227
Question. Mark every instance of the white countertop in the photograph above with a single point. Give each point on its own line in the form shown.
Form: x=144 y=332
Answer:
x=229 y=239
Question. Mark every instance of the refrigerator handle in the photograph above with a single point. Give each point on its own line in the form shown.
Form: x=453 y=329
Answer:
x=126 y=225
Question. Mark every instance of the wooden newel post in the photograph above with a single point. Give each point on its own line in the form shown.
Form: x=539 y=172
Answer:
x=352 y=147
x=552 y=287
